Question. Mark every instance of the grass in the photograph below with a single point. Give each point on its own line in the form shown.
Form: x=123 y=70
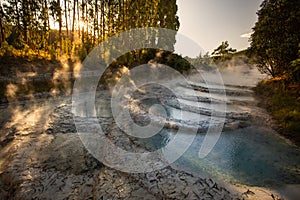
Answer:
x=281 y=99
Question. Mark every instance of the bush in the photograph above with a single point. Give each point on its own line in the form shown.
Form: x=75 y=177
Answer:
x=6 y=50
x=281 y=100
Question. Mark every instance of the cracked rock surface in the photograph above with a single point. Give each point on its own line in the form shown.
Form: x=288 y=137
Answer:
x=42 y=157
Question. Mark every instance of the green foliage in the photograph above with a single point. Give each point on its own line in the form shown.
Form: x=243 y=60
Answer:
x=281 y=99
x=82 y=53
x=52 y=52
x=15 y=39
x=144 y=56
x=276 y=36
x=173 y=60
x=6 y=50
x=200 y=60
x=223 y=51
x=296 y=67
x=82 y=24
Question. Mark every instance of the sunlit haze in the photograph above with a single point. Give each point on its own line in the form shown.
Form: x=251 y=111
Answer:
x=209 y=22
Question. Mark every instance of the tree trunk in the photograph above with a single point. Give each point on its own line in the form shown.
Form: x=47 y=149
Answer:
x=60 y=26
x=83 y=20
x=87 y=20
x=95 y=22
x=46 y=24
x=1 y=31
x=78 y=17
x=66 y=17
x=73 y=21
x=18 y=14
x=102 y=20
x=25 y=8
x=2 y=36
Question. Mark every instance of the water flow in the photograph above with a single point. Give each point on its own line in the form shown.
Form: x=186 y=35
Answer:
x=254 y=155
x=250 y=154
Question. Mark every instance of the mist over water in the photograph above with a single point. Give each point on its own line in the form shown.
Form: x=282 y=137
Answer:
x=253 y=154
x=243 y=75
x=248 y=151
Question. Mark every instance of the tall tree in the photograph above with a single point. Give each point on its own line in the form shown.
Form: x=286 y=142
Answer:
x=75 y=2
x=11 y=10
x=2 y=36
x=66 y=16
x=59 y=25
x=56 y=13
x=44 y=16
x=276 y=36
x=90 y=20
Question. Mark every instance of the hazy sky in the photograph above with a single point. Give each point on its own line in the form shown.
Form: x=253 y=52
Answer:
x=209 y=22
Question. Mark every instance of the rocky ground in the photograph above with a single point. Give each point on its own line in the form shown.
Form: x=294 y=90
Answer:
x=42 y=158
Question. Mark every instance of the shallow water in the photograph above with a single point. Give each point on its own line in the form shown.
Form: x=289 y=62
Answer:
x=191 y=116
x=186 y=91
x=217 y=107
x=253 y=156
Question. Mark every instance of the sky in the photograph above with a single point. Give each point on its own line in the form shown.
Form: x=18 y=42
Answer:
x=209 y=22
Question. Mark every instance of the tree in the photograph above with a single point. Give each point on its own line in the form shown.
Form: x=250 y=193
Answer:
x=296 y=67
x=2 y=36
x=11 y=9
x=223 y=50
x=56 y=12
x=26 y=23
x=275 y=40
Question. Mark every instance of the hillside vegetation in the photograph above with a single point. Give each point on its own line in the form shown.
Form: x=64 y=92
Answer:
x=275 y=46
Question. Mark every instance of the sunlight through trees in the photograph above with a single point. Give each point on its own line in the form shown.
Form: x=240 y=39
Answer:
x=74 y=27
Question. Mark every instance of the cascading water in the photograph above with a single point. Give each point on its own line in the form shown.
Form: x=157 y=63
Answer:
x=248 y=151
